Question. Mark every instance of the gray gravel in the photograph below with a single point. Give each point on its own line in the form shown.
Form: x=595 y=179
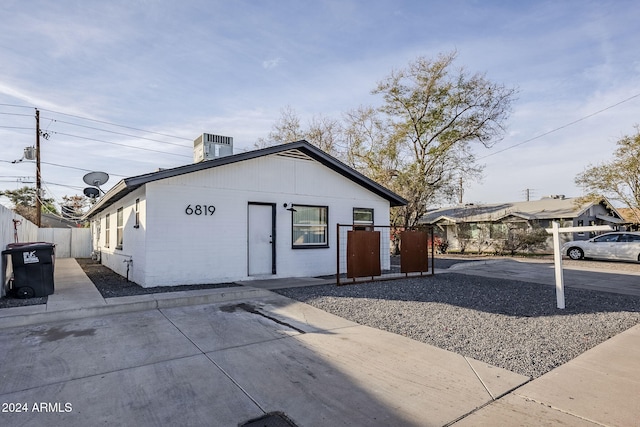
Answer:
x=510 y=324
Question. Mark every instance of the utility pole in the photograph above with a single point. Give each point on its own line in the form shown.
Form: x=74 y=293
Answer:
x=38 y=178
x=461 y=191
x=528 y=193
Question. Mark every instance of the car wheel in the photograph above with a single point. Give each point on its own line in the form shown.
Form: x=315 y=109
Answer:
x=575 y=253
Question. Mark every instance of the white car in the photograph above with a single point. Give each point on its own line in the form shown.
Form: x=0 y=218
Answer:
x=618 y=246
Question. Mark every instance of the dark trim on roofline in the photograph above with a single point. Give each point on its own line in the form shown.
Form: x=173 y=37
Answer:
x=128 y=185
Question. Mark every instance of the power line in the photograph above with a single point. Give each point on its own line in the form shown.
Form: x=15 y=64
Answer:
x=121 y=145
x=17 y=127
x=115 y=124
x=98 y=121
x=16 y=105
x=79 y=169
x=66 y=167
x=561 y=127
x=17 y=114
x=117 y=133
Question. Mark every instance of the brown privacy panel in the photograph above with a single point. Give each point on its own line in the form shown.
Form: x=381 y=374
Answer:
x=414 y=254
x=363 y=254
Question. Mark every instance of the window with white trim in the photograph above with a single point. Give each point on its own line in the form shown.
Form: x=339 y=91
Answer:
x=309 y=226
x=362 y=219
x=137 y=224
x=119 y=227
x=106 y=230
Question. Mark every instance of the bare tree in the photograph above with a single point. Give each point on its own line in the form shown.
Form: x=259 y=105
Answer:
x=435 y=113
x=286 y=129
x=325 y=133
x=322 y=131
x=618 y=179
x=521 y=237
x=74 y=206
x=418 y=143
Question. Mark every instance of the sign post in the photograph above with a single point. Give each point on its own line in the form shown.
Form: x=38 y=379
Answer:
x=555 y=230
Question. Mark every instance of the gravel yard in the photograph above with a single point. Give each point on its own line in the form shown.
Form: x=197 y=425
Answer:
x=510 y=324
x=112 y=285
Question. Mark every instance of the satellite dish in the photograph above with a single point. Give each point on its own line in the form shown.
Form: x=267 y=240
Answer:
x=91 y=192
x=96 y=178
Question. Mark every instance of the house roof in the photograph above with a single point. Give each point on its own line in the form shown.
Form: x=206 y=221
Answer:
x=544 y=209
x=631 y=215
x=293 y=149
x=56 y=221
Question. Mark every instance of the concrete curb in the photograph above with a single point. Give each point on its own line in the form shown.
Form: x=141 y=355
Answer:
x=136 y=303
x=463 y=265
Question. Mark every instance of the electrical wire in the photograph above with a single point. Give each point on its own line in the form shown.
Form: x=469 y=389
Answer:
x=79 y=169
x=117 y=133
x=115 y=124
x=17 y=114
x=65 y=166
x=560 y=127
x=101 y=129
x=119 y=144
x=49 y=200
x=16 y=105
x=18 y=127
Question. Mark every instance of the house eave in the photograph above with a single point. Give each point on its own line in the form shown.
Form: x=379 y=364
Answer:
x=127 y=185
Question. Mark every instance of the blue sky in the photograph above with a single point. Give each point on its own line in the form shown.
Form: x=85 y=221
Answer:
x=181 y=68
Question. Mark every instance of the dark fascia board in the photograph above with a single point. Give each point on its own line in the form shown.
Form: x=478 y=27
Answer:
x=128 y=185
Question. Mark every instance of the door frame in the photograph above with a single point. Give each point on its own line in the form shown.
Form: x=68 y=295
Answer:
x=273 y=234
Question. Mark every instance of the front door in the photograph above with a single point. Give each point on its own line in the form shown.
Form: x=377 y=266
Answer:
x=262 y=239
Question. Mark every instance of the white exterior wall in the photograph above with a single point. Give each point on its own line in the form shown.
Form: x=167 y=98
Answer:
x=173 y=248
x=133 y=247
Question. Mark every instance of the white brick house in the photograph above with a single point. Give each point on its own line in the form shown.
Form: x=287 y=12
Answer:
x=260 y=214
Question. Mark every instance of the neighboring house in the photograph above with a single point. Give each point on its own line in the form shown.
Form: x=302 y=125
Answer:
x=632 y=216
x=484 y=227
x=56 y=221
x=266 y=213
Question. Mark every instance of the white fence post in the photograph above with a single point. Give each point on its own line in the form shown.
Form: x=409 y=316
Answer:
x=555 y=230
x=557 y=261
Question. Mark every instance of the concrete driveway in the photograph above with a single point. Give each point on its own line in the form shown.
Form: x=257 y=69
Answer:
x=225 y=356
x=226 y=363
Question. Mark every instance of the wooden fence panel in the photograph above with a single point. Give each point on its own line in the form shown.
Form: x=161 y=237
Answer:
x=363 y=254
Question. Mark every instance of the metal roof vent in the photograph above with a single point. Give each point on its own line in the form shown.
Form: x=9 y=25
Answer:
x=208 y=146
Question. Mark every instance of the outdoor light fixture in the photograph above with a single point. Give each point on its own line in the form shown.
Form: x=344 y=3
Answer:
x=290 y=208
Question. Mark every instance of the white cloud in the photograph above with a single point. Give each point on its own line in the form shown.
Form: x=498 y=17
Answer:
x=271 y=63
x=199 y=66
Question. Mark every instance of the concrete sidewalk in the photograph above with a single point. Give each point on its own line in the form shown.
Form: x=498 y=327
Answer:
x=224 y=356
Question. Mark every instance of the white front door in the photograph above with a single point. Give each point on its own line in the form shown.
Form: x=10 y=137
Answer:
x=261 y=239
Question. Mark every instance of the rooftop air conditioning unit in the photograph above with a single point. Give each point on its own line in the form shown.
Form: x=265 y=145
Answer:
x=208 y=146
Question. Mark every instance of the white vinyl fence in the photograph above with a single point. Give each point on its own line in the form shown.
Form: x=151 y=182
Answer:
x=70 y=242
x=27 y=231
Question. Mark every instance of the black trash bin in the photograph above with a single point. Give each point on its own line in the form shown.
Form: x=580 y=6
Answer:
x=33 y=265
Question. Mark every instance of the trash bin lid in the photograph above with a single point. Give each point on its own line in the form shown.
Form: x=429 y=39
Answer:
x=15 y=247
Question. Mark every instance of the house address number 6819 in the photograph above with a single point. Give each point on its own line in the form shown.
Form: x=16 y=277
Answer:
x=200 y=210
